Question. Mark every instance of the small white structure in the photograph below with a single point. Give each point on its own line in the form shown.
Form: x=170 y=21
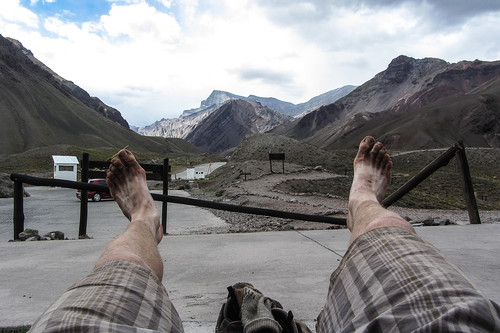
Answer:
x=192 y=173
x=65 y=167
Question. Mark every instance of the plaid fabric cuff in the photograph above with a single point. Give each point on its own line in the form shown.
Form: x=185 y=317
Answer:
x=119 y=296
x=392 y=280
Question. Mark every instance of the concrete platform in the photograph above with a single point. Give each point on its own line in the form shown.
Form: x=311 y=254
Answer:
x=292 y=266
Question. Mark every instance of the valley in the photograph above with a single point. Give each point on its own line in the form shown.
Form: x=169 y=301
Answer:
x=415 y=107
x=318 y=182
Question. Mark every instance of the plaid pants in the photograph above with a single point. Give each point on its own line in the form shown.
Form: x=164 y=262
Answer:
x=391 y=280
x=119 y=296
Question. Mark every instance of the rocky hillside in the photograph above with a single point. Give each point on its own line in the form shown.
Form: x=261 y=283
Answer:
x=413 y=103
x=473 y=117
x=15 y=52
x=227 y=126
x=37 y=109
x=182 y=126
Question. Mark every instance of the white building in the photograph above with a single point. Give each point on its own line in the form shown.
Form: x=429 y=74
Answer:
x=65 y=167
x=192 y=173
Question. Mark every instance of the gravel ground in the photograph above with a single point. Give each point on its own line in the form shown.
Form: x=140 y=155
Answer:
x=261 y=192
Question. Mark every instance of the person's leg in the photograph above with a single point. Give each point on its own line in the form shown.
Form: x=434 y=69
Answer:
x=124 y=293
x=372 y=175
x=127 y=182
x=390 y=279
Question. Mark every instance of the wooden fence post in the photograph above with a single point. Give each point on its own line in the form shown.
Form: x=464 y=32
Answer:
x=18 y=209
x=166 y=170
x=470 y=198
x=84 y=202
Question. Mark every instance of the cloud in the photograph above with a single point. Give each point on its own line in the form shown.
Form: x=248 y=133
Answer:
x=139 y=21
x=166 y=3
x=34 y=2
x=155 y=58
x=11 y=12
x=442 y=12
x=265 y=75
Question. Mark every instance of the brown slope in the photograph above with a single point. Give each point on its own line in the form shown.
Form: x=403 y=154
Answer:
x=23 y=59
x=457 y=79
x=35 y=112
x=473 y=118
x=407 y=85
x=228 y=125
x=403 y=77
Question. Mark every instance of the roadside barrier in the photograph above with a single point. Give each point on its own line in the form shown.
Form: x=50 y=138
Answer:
x=19 y=179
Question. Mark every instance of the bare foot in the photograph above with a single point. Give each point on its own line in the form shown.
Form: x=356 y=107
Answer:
x=127 y=183
x=372 y=175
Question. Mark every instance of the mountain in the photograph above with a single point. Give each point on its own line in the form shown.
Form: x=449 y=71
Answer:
x=224 y=128
x=473 y=117
x=178 y=127
x=37 y=110
x=69 y=87
x=189 y=119
x=396 y=101
x=324 y=99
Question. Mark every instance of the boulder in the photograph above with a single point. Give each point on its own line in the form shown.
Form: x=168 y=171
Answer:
x=29 y=233
x=55 y=235
x=428 y=221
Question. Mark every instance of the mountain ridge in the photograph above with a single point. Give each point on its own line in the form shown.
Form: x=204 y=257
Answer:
x=181 y=127
x=405 y=87
x=69 y=87
x=37 y=112
x=230 y=123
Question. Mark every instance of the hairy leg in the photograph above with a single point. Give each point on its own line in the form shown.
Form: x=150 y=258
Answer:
x=372 y=175
x=127 y=183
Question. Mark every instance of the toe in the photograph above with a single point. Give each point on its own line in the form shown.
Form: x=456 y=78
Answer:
x=366 y=145
x=379 y=158
x=127 y=158
x=374 y=152
x=388 y=165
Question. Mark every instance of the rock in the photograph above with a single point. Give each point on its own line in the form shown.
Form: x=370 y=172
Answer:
x=55 y=235
x=28 y=233
x=34 y=238
x=428 y=221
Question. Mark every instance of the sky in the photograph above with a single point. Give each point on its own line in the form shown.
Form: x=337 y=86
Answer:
x=152 y=59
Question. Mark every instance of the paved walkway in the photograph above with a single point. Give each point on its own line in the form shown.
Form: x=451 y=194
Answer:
x=291 y=266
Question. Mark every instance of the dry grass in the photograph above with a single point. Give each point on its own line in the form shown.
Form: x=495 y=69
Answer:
x=442 y=190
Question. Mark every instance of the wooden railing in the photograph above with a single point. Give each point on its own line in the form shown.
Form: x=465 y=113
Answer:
x=154 y=173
